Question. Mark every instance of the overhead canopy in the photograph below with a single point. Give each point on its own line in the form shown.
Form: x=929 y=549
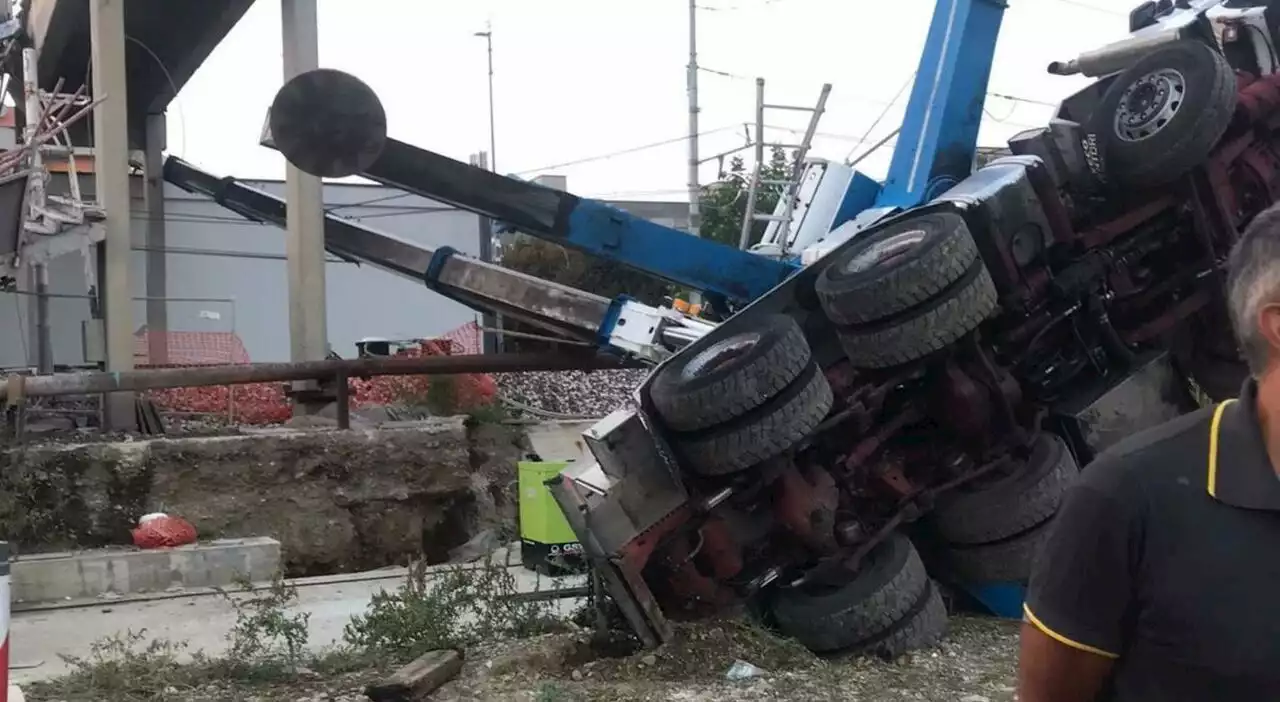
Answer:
x=181 y=35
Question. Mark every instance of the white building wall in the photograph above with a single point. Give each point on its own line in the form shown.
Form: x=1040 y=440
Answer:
x=214 y=253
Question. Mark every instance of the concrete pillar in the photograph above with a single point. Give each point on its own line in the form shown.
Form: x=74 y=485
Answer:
x=157 y=284
x=304 y=194
x=111 y=171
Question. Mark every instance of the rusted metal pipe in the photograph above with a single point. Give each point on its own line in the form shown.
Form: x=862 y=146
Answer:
x=155 y=379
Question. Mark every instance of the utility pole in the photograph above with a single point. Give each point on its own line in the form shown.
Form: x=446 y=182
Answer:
x=304 y=238
x=695 y=188
x=493 y=145
x=491 y=341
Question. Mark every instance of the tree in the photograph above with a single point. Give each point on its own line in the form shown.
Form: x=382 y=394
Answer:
x=548 y=261
x=724 y=204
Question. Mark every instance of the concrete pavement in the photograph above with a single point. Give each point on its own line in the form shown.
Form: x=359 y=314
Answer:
x=40 y=637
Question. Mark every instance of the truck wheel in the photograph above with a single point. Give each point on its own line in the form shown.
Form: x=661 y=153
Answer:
x=730 y=377
x=1165 y=113
x=889 y=605
x=917 y=630
x=896 y=269
x=1016 y=503
x=928 y=328
x=1005 y=561
x=761 y=433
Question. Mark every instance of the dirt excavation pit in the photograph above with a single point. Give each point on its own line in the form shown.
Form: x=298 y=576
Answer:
x=338 y=501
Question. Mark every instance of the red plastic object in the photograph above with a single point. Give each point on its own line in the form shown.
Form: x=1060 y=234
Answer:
x=163 y=532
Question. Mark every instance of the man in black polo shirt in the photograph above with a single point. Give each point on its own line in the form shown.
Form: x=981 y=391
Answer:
x=1160 y=579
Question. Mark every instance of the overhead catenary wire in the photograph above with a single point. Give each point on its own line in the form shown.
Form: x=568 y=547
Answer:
x=576 y=162
x=624 y=152
x=1095 y=8
x=884 y=113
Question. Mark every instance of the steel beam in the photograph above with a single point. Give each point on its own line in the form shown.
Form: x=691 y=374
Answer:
x=157 y=379
x=308 y=335
x=111 y=167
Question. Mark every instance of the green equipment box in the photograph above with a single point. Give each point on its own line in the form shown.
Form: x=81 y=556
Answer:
x=547 y=543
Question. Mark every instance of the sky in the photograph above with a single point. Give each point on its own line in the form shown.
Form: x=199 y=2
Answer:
x=578 y=80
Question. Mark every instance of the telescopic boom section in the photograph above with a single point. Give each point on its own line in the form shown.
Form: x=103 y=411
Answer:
x=479 y=285
x=331 y=124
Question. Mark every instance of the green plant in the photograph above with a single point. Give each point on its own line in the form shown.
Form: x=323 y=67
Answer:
x=451 y=608
x=492 y=413
x=266 y=632
x=724 y=203
x=550 y=692
x=441 y=398
x=122 y=666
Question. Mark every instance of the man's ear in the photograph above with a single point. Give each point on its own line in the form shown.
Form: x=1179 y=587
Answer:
x=1269 y=326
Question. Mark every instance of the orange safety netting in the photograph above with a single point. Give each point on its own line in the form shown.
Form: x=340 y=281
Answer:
x=266 y=403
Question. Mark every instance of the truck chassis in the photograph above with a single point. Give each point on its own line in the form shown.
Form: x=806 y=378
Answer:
x=925 y=392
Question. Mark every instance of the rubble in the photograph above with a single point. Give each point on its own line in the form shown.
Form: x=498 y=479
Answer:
x=568 y=394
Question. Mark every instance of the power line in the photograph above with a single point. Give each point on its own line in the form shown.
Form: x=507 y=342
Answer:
x=1029 y=101
x=905 y=85
x=877 y=101
x=623 y=152
x=1095 y=8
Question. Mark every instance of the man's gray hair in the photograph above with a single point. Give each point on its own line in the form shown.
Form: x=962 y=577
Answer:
x=1253 y=281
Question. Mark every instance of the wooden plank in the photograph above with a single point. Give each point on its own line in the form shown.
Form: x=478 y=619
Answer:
x=418 y=679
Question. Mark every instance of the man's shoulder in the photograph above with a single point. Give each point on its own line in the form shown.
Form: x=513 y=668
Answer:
x=1149 y=454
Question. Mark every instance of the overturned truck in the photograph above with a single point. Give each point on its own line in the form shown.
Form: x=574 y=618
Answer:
x=908 y=399
x=930 y=387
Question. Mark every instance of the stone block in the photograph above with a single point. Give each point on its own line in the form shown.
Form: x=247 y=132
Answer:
x=51 y=577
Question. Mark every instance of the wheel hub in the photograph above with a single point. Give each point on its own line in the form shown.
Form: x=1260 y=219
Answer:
x=719 y=354
x=1149 y=104
x=882 y=252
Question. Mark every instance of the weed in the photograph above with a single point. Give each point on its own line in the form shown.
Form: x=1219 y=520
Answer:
x=452 y=608
x=550 y=692
x=122 y=666
x=492 y=413
x=266 y=633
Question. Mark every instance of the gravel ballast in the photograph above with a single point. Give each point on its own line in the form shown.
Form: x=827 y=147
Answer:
x=569 y=394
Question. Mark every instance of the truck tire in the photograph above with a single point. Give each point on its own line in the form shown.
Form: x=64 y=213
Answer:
x=896 y=269
x=1164 y=114
x=731 y=377
x=1016 y=503
x=925 y=329
x=890 y=589
x=762 y=433
x=919 y=629
x=1005 y=561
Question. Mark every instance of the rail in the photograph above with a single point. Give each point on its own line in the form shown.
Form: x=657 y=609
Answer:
x=17 y=388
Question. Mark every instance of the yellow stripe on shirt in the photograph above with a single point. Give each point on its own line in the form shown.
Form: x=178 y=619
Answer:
x=1214 y=429
x=1034 y=621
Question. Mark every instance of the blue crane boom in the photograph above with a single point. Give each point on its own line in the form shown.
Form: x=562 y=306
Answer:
x=935 y=149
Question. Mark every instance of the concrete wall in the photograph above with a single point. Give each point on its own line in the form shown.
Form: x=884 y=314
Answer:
x=213 y=253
